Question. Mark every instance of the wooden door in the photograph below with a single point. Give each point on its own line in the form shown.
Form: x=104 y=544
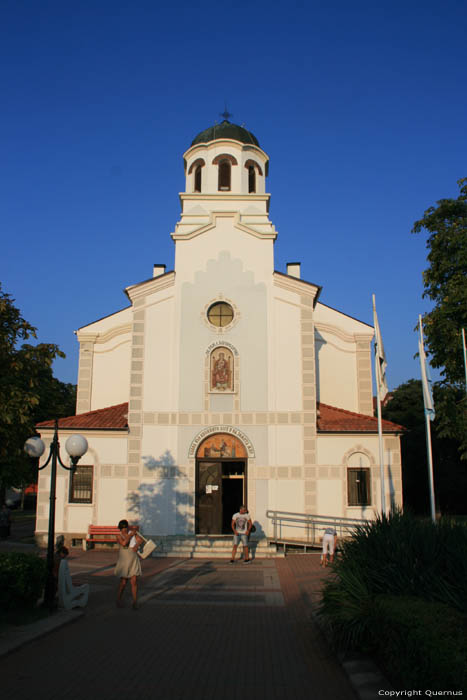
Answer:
x=209 y=498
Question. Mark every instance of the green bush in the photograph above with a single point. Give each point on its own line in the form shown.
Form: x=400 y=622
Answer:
x=404 y=555
x=419 y=643
x=405 y=558
x=22 y=580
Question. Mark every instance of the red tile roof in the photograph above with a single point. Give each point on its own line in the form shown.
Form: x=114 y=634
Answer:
x=338 y=420
x=330 y=420
x=110 y=418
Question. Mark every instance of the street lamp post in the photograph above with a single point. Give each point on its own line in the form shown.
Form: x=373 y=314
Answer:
x=76 y=446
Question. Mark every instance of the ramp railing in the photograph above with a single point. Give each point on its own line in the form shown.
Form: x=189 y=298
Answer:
x=306 y=529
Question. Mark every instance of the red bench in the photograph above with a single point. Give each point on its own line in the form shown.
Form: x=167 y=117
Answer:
x=101 y=534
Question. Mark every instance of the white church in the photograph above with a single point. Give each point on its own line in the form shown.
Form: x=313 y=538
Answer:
x=223 y=381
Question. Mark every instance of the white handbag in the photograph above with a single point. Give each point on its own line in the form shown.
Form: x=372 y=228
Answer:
x=149 y=547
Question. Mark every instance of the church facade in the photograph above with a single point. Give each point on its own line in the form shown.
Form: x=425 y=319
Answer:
x=223 y=381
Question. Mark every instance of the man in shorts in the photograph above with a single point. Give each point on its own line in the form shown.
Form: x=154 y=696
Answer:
x=329 y=545
x=241 y=526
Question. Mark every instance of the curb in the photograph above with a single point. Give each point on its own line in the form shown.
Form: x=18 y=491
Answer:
x=14 y=638
x=364 y=675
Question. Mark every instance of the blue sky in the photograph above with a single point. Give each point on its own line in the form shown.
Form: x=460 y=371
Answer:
x=361 y=107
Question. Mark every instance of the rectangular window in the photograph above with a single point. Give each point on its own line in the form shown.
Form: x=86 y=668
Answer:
x=81 y=485
x=358 y=487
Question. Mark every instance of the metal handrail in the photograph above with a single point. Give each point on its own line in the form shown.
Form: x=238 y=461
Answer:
x=309 y=525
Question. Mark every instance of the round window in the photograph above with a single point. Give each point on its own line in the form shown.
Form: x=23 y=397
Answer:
x=220 y=314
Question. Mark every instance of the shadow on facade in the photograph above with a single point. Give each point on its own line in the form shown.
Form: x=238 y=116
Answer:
x=162 y=504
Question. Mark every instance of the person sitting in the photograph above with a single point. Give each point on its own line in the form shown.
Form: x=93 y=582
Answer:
x=69 y=596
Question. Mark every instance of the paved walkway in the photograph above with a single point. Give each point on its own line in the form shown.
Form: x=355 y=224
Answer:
x=206 y=629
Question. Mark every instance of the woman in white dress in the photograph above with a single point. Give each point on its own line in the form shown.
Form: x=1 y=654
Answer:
x=128 y=564
x=69 y=596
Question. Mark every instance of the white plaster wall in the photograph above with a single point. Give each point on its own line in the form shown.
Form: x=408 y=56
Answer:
x=108 y=323
x=347 y=324
x=164 y=506
x=255 y=254
x=225 y=277
x=332 y=448
x=105 y=450
x=285 y=445
x=158 y=393
x=329 y=497
x=286 y=357
x=159 y=446
x=336 y=372
x=79 y=517
x=112 y=503
x=262 y=505
x=111 y=372
x=287 y=495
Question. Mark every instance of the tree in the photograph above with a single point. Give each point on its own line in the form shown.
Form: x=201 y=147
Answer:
x=27 y=386
x=445 y=284
x=450 y=476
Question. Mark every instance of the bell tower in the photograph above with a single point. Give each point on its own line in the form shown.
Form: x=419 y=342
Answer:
x=224 y=160
x=225 y=175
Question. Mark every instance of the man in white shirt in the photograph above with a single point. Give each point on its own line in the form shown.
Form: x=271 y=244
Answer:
x=241 y=527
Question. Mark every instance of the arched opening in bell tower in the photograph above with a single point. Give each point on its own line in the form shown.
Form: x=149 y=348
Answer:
x=251 y=179
x=224 y=175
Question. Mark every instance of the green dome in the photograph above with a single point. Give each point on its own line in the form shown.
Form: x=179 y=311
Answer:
x=225 y=130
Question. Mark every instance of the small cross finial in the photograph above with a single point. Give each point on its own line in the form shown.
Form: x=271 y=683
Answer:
x=226 y=114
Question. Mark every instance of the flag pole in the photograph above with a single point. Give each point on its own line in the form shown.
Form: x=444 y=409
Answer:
x=427 y=422
x=378 y=403
x=465 y=357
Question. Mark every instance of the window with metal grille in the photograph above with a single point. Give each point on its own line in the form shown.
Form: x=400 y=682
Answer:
x=358 y=487
x=81 y=485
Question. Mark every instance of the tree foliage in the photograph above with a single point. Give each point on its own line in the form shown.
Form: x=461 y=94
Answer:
x=450 y=476
x=28 y=391
x=445 y=284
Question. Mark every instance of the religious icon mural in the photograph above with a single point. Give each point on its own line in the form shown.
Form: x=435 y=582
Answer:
x=222 y=445
x=221 y=370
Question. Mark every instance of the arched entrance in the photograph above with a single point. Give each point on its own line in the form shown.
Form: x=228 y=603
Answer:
x=221 y=482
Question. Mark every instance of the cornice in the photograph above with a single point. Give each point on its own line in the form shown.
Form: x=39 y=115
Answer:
x=236 y=216
x=339 y=333
x=104 y=337
x=155 y=284
x=197 y=196
x=292 y=284
x=95 y=432
x=220 y=143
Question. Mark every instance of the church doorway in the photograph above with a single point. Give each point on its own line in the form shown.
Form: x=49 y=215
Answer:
x=221 y=483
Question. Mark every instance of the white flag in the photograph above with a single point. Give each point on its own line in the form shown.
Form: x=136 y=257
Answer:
x=426 y=379
x=380 y=358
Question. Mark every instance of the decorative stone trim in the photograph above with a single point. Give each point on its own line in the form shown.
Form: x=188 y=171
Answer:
x=221 y=429
x=364 y=378
x=308 y=399
x=85 y=369
x=220 y=329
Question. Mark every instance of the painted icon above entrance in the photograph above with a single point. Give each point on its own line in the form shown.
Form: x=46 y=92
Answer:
x=222 y=366
x=221 y=446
